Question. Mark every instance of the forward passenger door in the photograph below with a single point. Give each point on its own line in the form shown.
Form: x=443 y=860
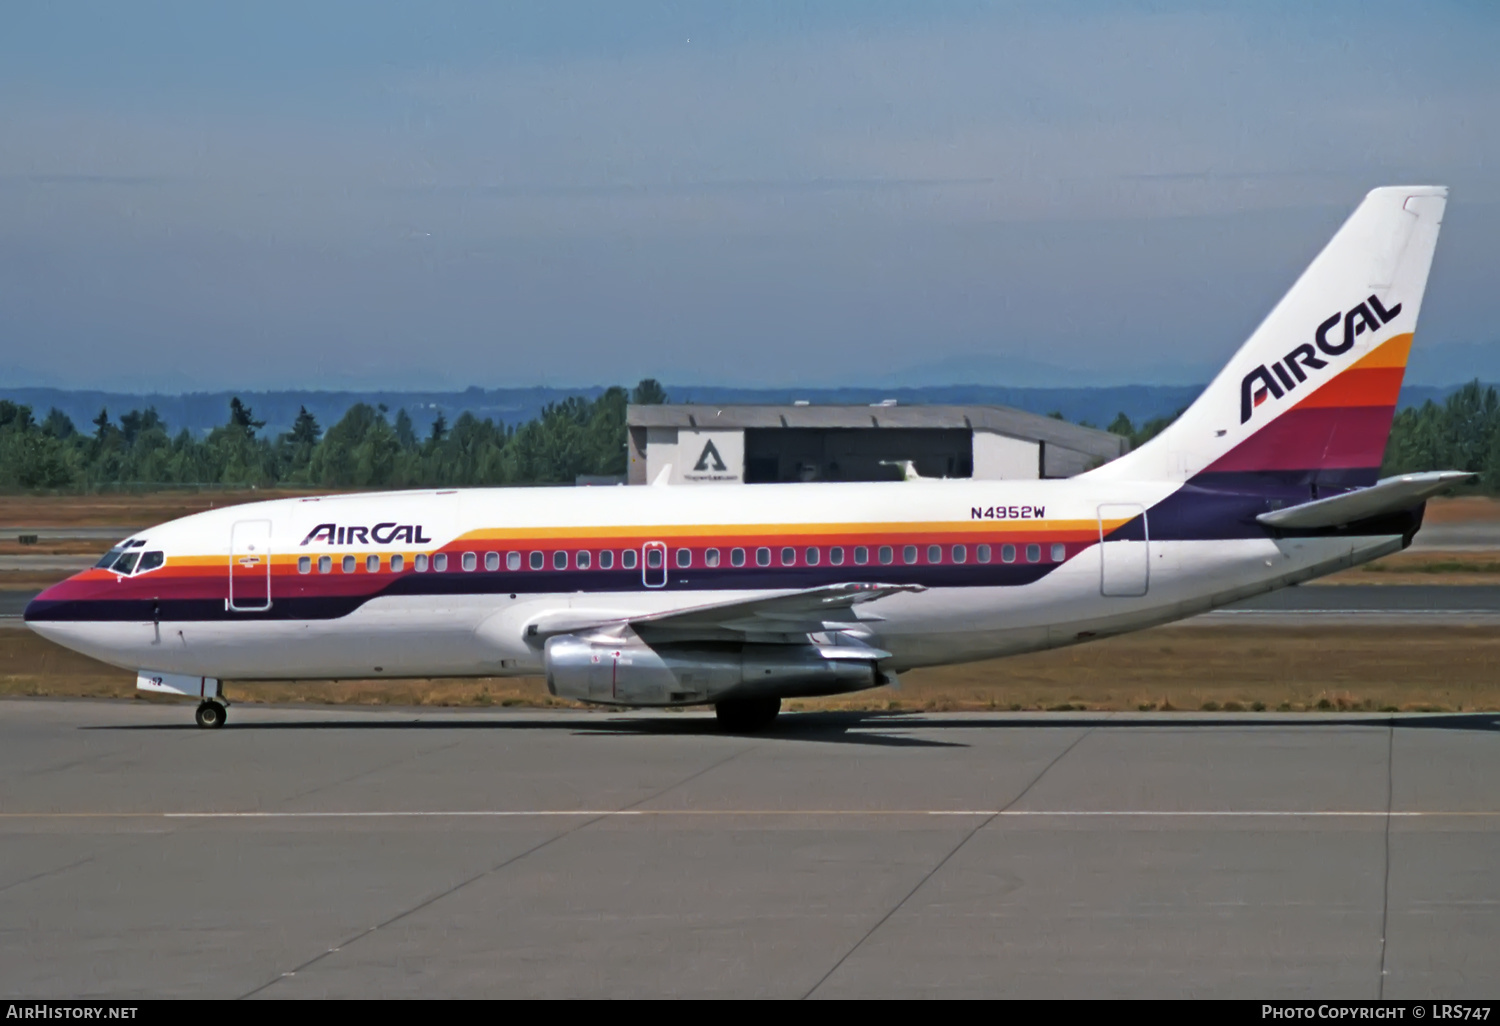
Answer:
x=250 y=566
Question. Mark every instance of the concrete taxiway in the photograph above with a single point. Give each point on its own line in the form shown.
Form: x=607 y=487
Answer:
x=310 y=852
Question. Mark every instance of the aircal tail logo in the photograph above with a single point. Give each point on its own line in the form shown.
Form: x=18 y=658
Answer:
x=1288 y=373
x=380 y=534
x=710 y=459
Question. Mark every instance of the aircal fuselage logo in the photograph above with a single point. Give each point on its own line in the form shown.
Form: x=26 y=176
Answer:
x=1288 y=373
x=354 y=534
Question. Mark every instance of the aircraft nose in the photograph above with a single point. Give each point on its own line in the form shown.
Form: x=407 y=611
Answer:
x=46 y=604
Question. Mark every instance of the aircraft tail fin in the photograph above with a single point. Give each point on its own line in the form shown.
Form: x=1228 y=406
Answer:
x=1308 y=400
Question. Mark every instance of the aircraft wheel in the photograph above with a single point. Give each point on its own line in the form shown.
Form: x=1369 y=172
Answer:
x=747 y=715
x=211 y=715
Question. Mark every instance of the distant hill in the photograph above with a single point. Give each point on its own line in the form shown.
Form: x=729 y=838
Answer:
x=201 y=411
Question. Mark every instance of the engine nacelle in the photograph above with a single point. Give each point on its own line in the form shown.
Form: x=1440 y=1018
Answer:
x=634 y=673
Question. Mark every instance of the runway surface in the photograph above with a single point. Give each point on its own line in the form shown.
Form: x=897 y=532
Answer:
x=312 y=852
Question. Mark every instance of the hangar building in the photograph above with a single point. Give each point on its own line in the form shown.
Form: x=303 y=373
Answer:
x=763 y=444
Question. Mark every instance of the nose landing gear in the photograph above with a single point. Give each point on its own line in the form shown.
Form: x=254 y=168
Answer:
x=211 y=715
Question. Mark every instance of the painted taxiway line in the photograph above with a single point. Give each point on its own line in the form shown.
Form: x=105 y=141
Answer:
x=727 y=813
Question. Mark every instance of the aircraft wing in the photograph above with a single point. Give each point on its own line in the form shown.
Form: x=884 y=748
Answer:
x=787 y=613
x=1388 y=495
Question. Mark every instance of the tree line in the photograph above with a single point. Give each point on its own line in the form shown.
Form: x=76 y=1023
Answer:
x=367 y=448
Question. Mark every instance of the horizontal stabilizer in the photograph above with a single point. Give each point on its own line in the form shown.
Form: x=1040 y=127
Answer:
x=1388 y=495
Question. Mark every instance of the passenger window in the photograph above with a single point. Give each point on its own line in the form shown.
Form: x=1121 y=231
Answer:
x=1059 y=552
x=492 y=561
x=983 y=552
x=419 y=564
x=1007 y=553
x=582 y=560
x=836 y=555
x=812 y=556
x=606 y=559
x=152 y=560
x=934 y=553
x=1033 y=553
x=536 y=560
x=126 y=563
x=788 y=556
x=762 y=557
x=736 y=557
x=512 y=561
x=628 y=559
x=710 y=557
x=684 y=557
x=398 y=563
x=960 y=554
x=304 y=564
x=349 y=564
x=887 y=555
x=653 y=559
x=861 y=555
x=372 y=564
x=908 y=553
x=325 y=564
x=470 y=561
x=559 y=560
x=440 y=562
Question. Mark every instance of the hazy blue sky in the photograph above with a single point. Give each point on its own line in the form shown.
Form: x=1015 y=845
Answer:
x=279 y=194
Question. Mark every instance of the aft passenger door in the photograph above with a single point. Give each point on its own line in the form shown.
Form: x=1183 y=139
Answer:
x=250 y=566
x=1124 y=563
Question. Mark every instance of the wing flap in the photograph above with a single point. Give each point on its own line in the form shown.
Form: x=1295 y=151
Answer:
x=797 y=612
x=1388 y=495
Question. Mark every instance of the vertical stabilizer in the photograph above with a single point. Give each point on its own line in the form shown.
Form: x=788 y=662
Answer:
x=1309 y=398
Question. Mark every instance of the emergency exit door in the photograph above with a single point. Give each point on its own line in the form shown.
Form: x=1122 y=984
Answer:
x=250 y=566
x=654 y=564
x=1125 y=560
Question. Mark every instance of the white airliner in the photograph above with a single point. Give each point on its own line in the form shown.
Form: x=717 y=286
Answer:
x=741 y=596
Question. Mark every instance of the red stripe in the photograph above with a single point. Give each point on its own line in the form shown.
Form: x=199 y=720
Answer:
x=1359 y=386
x=1313 y=437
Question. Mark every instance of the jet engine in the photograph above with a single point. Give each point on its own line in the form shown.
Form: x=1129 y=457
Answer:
x=634 y=673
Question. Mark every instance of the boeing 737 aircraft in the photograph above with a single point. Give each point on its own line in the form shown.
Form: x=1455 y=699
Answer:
x=742 y=596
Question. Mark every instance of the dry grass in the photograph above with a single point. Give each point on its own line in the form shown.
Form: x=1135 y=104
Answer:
x=30 y=580
x=1227 y=668
x=1466 y=510
x=128 y=511
x=1423 y=567
x=11 y=546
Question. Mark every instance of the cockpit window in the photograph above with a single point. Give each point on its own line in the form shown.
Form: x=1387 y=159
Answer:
x=150 y=561
x=126 y=563
x=108 y=559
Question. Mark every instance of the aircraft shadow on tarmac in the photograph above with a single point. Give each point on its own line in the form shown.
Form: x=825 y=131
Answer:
x=881 y=728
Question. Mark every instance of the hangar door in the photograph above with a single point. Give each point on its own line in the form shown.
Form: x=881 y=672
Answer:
x=1124 y=563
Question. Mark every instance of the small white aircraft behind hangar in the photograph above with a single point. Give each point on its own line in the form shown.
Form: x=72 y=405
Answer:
x=677 y=596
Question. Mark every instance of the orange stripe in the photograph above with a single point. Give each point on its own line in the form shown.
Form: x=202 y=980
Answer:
x=1393 y=352
x=1359 y=386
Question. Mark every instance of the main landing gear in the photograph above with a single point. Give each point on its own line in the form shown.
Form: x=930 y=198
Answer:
x=747 y=715
x=211 y=715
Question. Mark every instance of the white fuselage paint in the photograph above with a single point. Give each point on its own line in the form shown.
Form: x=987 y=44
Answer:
x=466 y=635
